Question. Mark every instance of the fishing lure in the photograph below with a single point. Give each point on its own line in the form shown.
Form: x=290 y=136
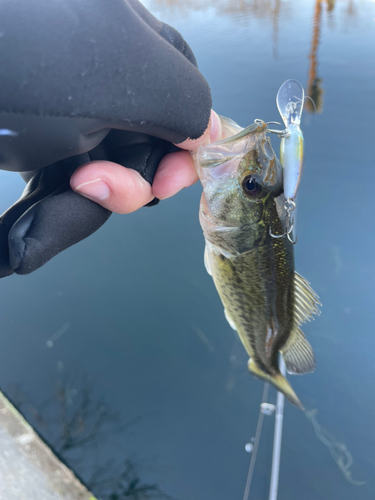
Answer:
x=289 y=100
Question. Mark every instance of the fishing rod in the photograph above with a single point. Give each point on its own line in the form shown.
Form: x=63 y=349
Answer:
x=268 y=409
x=256 y=443
x=279 y=417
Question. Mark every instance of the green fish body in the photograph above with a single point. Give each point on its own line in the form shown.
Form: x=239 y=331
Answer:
x=242 y=209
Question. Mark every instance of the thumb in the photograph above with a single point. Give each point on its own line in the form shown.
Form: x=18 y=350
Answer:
x=211 y=134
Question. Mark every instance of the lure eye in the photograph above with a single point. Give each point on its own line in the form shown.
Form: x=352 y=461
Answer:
x=250 y=187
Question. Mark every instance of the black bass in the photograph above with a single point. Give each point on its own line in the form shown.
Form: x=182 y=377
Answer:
x=242 y=213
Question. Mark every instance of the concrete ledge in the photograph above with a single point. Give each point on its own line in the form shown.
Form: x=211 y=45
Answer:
x=29 y=470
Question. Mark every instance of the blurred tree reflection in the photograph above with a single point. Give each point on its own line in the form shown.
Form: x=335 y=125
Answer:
x=257 y=8
x=273 y=10
x=315 y=84
x=77 y=424
x=117 y=483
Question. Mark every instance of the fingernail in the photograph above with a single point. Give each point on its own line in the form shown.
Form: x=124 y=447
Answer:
x=96 y=190
x=215 y=132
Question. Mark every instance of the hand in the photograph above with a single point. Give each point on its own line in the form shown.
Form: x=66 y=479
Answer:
x=104 y=82
x=123 y=190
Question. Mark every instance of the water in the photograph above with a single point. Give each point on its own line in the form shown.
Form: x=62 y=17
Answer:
x=143 y=368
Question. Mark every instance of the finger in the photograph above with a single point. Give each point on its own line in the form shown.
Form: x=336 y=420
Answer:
x=118 y=189
x=211 y=134
x=176 y=171
x=140 y=152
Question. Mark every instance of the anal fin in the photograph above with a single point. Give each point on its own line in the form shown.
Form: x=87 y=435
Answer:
x=298 y=354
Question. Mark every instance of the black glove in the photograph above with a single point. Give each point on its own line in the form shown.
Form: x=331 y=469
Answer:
x=85 y=80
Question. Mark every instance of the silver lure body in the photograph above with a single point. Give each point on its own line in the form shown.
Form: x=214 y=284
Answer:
x=289 y=101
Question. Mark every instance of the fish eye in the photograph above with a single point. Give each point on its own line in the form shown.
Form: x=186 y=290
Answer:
x=251 y=187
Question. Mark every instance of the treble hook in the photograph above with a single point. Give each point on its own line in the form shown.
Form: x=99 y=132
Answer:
x=280 y=133
x=289 y=206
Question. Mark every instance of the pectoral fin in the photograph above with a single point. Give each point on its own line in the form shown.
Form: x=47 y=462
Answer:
x=207 y=261
x=306 y=300
x=230 y=320
x=298 y=354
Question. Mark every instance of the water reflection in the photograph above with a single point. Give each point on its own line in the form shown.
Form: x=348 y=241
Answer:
x=350 y=10
x=272 y=10
x=77 y=425
x=314 y=83
x=275 y=22
x=253 y=8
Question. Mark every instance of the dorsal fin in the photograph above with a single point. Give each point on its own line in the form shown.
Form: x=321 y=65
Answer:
x=298 y=354
x=306 y=300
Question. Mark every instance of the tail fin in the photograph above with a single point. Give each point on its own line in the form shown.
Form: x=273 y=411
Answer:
x=277 y=381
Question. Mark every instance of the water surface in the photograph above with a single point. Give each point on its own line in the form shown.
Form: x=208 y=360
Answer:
x=118 y=349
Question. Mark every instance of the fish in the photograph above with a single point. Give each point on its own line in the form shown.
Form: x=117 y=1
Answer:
x=242 y=209
x=289 y=100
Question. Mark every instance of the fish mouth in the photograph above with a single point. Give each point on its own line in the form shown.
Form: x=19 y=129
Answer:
x=258 y=127
x=247 y=151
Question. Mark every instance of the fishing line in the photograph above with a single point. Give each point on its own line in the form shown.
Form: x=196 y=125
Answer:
x=312 y=100
x=338 y=450
x=256 y=443
x=306 y=97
